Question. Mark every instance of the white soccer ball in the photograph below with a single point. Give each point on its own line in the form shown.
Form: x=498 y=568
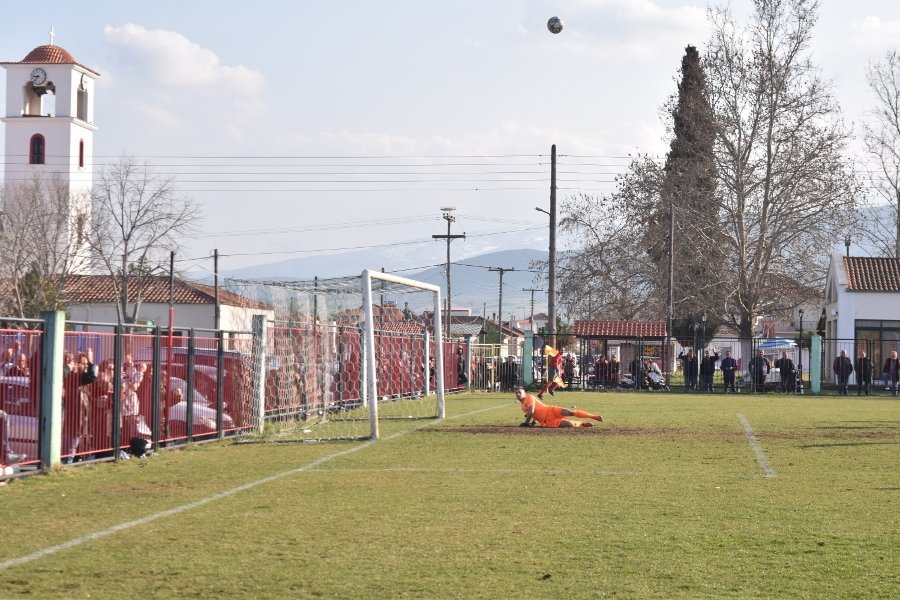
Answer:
x=555 y=25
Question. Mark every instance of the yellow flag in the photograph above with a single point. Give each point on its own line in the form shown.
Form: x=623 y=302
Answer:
x=550 y=351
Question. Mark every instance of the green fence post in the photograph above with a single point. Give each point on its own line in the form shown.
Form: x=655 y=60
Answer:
x=527 y=355
x=815 y=364
x=51 y=388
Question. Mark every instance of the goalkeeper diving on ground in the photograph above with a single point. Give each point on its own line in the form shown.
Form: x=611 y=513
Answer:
x=548 y=415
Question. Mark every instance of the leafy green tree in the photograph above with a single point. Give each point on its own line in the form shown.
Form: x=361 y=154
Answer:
x=694 y=254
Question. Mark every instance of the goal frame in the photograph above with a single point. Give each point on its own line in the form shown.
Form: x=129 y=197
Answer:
x=371 y=387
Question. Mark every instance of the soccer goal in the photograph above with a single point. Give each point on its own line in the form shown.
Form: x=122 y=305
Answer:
x=346 y=356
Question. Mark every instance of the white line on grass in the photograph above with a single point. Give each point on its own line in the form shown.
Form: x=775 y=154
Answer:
x=768 y=471
x=97 y=535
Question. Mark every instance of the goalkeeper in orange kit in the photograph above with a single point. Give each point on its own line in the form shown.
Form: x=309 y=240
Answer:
x=548 y=415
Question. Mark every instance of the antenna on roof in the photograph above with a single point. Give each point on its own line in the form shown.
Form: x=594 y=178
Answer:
x=52 y=35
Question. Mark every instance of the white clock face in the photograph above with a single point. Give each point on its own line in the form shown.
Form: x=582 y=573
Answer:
x=38 y=76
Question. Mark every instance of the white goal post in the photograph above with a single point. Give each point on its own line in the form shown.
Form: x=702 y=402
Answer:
x=371 y=388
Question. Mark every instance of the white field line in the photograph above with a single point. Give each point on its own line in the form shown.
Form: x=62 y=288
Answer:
x=97 y=535
x=768 y=471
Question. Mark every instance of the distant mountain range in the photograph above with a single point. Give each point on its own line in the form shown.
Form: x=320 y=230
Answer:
x=473 y=285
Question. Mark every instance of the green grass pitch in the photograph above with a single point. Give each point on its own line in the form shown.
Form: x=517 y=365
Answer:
x=672 y=496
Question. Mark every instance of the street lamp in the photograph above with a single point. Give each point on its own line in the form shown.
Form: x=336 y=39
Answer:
x=449 y=218
x=703 y=319
x=847 y=244
x=800 y=356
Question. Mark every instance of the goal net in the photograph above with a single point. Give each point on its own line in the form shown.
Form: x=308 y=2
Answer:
x=346 y=357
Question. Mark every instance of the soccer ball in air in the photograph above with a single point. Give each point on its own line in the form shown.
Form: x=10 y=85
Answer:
x=555 y=25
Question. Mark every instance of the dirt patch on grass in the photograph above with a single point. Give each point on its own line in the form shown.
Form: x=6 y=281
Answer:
x=597 y=429
x=845 y=434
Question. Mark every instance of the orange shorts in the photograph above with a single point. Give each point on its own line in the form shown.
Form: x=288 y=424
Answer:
x=551 y=416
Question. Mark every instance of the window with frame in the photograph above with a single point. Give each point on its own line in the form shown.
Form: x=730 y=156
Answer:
x=36 y=150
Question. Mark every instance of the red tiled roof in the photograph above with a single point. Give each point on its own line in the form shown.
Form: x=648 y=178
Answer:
x=404 y=327
x=99 y=289
x=620 y=329
x=50 y=54
x=865 y=274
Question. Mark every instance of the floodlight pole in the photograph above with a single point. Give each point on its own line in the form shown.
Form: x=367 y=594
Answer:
x=449 y=218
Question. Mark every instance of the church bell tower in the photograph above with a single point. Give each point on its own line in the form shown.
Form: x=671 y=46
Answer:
x=49 y=121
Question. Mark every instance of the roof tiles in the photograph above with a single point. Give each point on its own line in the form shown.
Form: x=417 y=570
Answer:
x=50 y=54
x=620 y=329
x=866 y=274
x=100 y=289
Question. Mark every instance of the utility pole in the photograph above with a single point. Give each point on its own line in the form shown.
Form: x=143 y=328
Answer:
x=531 y=318
x=449 y=218
x=551 y=257
x=500 y=270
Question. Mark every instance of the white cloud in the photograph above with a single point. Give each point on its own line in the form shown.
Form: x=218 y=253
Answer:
x=174 y=61
x=873 y=33
x=157 y=115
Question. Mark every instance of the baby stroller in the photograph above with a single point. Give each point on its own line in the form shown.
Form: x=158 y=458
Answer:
x=654 y=377
x=655 y=381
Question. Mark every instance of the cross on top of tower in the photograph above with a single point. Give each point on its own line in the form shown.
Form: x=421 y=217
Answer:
x=52 y=35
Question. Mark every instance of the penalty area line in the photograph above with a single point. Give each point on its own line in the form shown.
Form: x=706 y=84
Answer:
x=768 y=471
x=103 y=533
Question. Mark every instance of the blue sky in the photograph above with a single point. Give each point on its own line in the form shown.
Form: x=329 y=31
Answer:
x=349 y=124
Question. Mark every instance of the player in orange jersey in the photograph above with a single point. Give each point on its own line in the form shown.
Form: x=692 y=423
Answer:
x=548 y=415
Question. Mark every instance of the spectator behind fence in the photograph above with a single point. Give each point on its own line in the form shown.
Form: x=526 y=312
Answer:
x=101 y=394
x=759 y=370
x=708 y=370
x=689 y=367
x=787 y=373
x=601 y=370
x=614 y=367
x=20 y=368
x=892 y=372
x=842 y=367
x=11 y=355
x=569 y=369
x=7 y=456
x=729 y=368
x=863 y=374
x=636 y=369
x=132 y=377
x=76 y=402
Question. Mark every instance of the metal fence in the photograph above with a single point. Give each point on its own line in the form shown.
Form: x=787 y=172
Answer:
x=785 y=364
x=85 y=393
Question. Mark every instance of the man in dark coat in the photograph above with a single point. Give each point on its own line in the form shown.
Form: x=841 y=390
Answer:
x=842 y=368
x=759 y=370
x=708 y=370
x=892 y=371
x=787 y=371
x=863 y=374
x=689 y=365
x=729 y=368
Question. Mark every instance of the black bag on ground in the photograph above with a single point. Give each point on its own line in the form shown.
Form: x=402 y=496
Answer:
x=140 y=447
